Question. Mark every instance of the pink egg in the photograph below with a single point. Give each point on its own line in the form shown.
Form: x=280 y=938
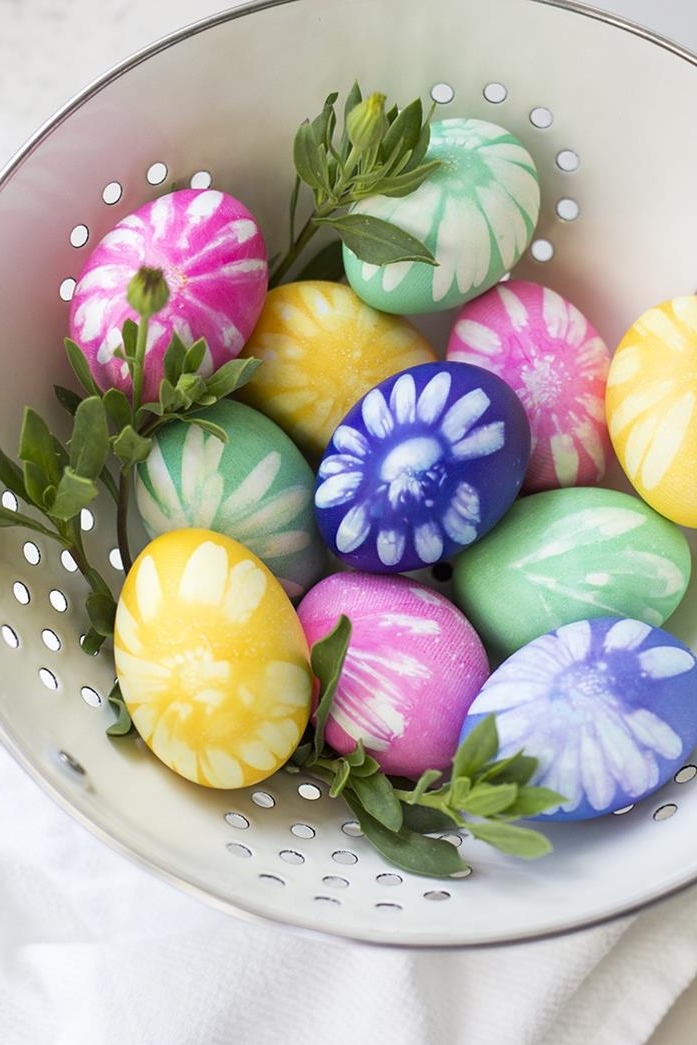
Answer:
x=413 y=667
x=551 y=356
x=213 y=256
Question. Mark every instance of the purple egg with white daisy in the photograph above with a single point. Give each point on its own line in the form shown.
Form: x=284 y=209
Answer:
x=608 y=706
x=421 y=466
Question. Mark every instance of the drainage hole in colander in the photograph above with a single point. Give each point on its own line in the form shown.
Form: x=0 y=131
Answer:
x=664 y=812
x=291 y=856
x=66 y=288
x=86 y=520
x=302 y=831
x=623 y=810
x=263 y=799
x=442 y=93
x=201 y=180
x=237 y=849
x=237 y=820
x=328 y=900
x=567 y=209
x=67 y=561
x=9 y=501
x=48 y=678
x=272 y=879
x=495 y=93
x=684 y=775
x=71 y=763
x=541 y=117
x=21 y=593
x=79 y=236
x=436 y=894
x=567 y=160
x=112 y=193
x=31 y=553
x=58 y=600
x=389 y=879
x=542 y=250
x=156 y=173
x=352 y=828
x=51 y=640
x=309 y=791
x=451 y=837
x=344 y=856
x=91 y=697
x=382 y=905
x=10 y=636
x=335 y=881
x=115 y=559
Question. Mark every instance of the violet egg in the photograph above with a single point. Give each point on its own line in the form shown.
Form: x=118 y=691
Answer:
x=608 y=706
x=421 y=466
x=413 y=666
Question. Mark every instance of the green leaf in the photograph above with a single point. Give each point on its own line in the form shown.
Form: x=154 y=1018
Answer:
x=67 y=398
x=101 y=610
x=427 y=778
x=36 y=444
x=407 y=182
x=324 y=124
x=327 y=660
x=420 y=149
x=130 y=447
x=207 y=426
x=123 y=724
x=74 y=492
x=458 y=792
x=117 y=407
x=307 y=158
x=10 y=518
x=516 y=769
x=36 y=484
x=89 y=443
x=129 y=335
x=302 y=754
x=231 y=376
x=489 y=799
x=426 y=819
x=327 y=264
x=357 y=757
x=376 y=795
x=173 y=362
x=353 y=98
x=81 y=367
x=404 y=130
x=407 y=849
x=367 y=767
x=195 y=355
x=477 y=748
x=11 y=476
x=533 y=800
x=92 y=642
x=377 y=241
x=191 y=387
x=510 y=839
x=341 y=777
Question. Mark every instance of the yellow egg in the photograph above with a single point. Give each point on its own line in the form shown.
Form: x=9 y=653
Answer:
x=211 y=659
x=323 y=349
x=651 y=403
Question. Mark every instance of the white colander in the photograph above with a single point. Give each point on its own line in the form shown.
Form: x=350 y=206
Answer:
x=607 y=111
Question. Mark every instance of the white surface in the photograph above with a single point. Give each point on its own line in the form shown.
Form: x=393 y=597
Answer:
x=74 y=912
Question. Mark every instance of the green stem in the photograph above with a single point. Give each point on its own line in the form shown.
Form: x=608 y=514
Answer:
x=122 y=519
x=141 y=343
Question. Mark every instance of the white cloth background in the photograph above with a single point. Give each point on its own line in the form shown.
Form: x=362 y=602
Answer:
x=95 y=951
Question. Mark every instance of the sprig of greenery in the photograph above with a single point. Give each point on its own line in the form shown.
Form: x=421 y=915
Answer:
x=396 y=819
x=377 y=152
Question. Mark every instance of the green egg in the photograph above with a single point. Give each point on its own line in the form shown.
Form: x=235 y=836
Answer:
x=567 y=555
x=257 y=488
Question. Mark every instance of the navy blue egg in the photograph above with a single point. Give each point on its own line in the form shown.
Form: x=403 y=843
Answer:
x=608 y=706
x=423 y=465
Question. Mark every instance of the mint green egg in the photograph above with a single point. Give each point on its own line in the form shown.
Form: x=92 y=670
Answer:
x=476 y=213
x=567 y=555
x=257 y=488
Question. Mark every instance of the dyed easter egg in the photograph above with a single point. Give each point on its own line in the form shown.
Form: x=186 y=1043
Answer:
x=566 y=555
x=652 y=407
x=556 y=363
x=476 y=213
x=257 y=488
x=213 y=257
x=323 y=348
x=412 y=668
x=211 y=659
x=421 y=466
x=607 y=706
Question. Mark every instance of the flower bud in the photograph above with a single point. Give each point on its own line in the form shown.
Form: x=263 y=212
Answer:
x=148 y=292
x=367 y=122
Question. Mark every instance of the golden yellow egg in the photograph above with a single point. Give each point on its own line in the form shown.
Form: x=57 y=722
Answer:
x=323 y=349
x=211 y=659
x=651 y=403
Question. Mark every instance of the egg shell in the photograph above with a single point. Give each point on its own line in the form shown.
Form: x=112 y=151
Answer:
x=257 y=488
x=421 y=466
x=566 y=555
x=557 y=365
x=323 y=348
x=608 y=706
x=211 y=659
x=213 y=257
x=476 y=214
x=651 y=405
x=413 y=665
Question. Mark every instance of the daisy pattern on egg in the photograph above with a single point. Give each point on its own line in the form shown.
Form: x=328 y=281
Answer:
x=608 y=706
x=557 y=364
x=424 y=464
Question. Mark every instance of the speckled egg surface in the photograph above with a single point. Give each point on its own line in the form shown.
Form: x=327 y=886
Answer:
x=557 y=364
x=421 y=466
x=476 y=214
x=608 y=706
x=256 y=488
x=323 y=348
x=413 y=665
x=565 y=555
x=213 y=257
x=652 y=407
x=211 y=659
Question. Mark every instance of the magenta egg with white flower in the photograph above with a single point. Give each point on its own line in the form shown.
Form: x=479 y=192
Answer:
x=213 y=256
x=413 y=667
x=553 y=358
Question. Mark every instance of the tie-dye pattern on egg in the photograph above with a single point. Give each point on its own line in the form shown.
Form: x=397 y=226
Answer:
x=413 y=667
x=557 y=364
